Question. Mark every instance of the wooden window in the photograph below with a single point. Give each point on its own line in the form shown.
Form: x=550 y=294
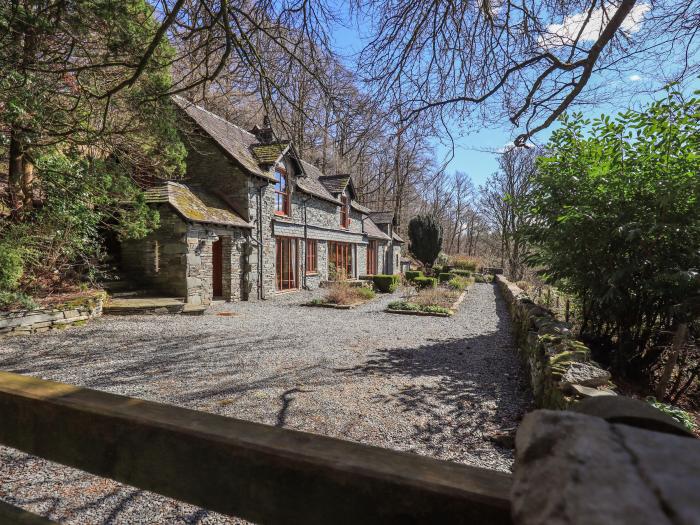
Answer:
x=286 y=263
x=311 y=256
x=372 y=258
x=345 y=212
x=282 y=206
x=340 y=257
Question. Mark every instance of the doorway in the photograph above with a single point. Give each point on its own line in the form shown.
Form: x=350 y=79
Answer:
x=217 y=262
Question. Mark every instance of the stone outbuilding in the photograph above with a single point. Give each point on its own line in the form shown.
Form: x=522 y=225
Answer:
x=251 y=219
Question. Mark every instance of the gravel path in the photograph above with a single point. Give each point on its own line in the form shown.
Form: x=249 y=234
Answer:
x=428 y=385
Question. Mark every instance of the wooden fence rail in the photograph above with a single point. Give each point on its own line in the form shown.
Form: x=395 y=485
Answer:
x=260 y=473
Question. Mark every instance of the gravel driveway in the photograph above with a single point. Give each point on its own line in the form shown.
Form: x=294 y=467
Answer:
x=433 y=386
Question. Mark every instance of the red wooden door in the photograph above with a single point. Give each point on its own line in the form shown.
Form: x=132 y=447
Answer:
x=217 y=268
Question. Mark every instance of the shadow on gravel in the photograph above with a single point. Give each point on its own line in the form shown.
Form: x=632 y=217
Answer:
x=464 y=387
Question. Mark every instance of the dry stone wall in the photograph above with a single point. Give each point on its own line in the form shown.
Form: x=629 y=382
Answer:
x=560 y=367
x=42 y=320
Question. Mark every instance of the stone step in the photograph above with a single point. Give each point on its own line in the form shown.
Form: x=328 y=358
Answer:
x=143 y=306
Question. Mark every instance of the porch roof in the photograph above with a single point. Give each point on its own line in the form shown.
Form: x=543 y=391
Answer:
x=195 y=205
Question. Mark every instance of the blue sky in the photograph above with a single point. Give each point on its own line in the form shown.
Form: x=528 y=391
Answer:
x=475 y=152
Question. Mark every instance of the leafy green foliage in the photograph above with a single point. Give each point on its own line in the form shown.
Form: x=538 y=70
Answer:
x=403 y=305
x=366 y=293
x=425 y=235
x=461 y=273
x=680 y=415
x=460 y=283
x=483 y=278
x=444 y=277
x=12 y=300
x=85 y=151
x=615 y=221
x=412 y=307
x=425 y=282
x=413 y=274
x=11 y=267
x=386 y=283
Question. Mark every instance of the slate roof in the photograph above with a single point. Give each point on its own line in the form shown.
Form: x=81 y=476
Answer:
x=267 y=154
x=359 y=207
x=311 y=183
x=335 y=183
x=235 y=141
x=382 y=217
x=398 y=239
x=256 y=158
x=372 y=231
x=195 y=205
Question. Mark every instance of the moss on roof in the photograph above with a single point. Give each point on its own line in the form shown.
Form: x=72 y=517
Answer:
x=269 y=153
x=191 y=206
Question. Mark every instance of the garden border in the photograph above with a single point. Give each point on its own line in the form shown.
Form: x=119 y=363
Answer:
x=78 y=311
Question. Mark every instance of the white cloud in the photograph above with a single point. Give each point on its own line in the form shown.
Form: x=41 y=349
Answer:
x=635 y=78
x=565 y=34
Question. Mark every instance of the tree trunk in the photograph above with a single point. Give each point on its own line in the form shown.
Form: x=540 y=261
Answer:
x=678 y=342
x=16 y=172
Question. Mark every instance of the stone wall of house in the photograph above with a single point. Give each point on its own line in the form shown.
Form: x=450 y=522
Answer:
x=381 y=256
x=208 y=166
x=262 y=241
x=159 y=261
x=395 y=258
x=42 y=320
x=560 y=367
x=200 y=285
x=361 y=266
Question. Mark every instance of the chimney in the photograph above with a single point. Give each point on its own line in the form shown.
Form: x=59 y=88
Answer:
x=264 y=134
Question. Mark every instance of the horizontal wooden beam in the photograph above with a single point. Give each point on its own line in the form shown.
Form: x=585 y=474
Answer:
x=260 y=473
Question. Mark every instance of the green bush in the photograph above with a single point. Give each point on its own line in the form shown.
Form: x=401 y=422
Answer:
x=462 y=273
x=11 y=267
x=444 y=277
x=11 y=300
x=412 y=307
x=425 y=282
x=614 y=220
x=366 y=293
x=483 y=278
x=425 y=238
x=386 y=283
x=437 y=269
x=413 y=274
x=680 y=415
x=460 y=283
x=403 y=305
x=434 y=309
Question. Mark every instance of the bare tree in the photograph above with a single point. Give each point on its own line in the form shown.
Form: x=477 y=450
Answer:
x=527 y=61
x=501 y=197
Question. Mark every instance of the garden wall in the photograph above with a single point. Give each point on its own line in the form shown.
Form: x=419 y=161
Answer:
x=560 y=367
x=32 y=321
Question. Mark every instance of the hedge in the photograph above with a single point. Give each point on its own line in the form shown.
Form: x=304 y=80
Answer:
x=413 y=274
x=462 y=273
x=386 y=283
x=426 y=282
x=444 y=277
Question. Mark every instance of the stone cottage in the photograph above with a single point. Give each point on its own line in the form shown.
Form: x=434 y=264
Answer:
x=251 y=219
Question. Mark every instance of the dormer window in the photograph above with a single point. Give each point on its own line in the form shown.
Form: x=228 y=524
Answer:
x=344 y=211
x=281 y=192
